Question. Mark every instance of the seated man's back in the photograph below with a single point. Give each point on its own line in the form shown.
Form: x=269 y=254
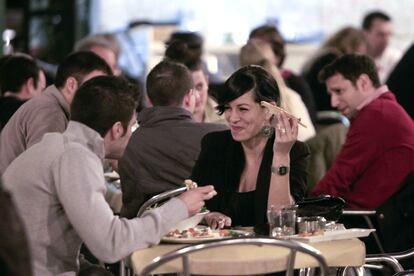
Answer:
x=163 y=151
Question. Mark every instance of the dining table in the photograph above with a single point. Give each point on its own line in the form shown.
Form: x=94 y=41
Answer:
x=250 y=259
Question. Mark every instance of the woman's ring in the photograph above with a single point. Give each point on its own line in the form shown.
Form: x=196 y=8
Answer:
x=283 y=130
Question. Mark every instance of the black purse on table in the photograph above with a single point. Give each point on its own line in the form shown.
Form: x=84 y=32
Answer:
x=325 y=206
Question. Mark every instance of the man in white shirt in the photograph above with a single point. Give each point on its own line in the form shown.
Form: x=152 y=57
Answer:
x=377 y=27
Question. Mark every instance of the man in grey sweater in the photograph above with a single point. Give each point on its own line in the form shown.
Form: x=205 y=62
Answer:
x=60 y=194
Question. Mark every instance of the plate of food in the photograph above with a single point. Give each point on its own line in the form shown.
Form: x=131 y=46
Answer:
x=333 y=235
x=202 y=233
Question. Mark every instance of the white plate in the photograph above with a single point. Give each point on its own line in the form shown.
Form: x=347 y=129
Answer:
x=215 y=236
x=335 y=235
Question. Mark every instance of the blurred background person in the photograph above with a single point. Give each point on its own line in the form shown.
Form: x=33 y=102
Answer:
x=179 y=50
x=258 y=52
x=188 y=48
x=378 y=29
x=401 y=81
x=107 y=47
x=346 y=41
x=271 y=35
x=20 y=80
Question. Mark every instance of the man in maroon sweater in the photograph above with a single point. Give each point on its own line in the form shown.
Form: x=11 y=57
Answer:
x=378 y=153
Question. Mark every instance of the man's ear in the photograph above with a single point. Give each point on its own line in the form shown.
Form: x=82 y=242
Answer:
x=71 y=84
x=187 y=98
x=116 y=131
x=28 y=87
x=30 y=84
x=363 y=82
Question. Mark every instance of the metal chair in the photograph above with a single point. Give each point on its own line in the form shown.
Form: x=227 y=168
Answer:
x=184 y=253
x=393 y=221
x=160 y=198
x=328 y=117
x=123 y=267
x=405 y=273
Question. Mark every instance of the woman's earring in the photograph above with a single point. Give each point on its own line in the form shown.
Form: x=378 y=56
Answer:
x=267 y=131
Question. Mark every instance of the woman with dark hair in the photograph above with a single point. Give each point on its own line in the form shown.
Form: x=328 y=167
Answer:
x=258 y=162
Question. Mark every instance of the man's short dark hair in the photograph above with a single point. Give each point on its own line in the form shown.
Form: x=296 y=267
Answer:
x=15 y=71
x=168 y=83
x=369 y=19
x=78 y=65
x=104 y=100
x=351 y=67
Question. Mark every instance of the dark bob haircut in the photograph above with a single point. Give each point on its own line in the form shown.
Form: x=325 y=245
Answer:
x=249 y=78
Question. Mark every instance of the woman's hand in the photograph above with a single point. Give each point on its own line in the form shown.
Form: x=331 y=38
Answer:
x=286 y=131
x=217 y=220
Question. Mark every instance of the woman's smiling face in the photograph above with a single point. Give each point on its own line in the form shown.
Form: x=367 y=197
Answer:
x=245 y=117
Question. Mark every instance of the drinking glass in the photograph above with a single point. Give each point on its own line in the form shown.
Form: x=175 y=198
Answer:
x=282 y=220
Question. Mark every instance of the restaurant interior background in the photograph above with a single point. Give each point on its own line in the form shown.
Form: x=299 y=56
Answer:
x=48 y=29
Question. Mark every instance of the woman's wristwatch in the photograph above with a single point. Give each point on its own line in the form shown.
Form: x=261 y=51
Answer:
x=281 y=170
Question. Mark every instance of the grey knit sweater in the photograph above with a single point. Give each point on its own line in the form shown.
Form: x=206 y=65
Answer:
x=58 y=187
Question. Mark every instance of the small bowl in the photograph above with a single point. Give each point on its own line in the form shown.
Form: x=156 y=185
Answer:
x=191 y=221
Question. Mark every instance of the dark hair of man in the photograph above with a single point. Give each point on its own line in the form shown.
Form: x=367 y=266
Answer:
x=369 y=19
x=249 y=78
x=78 y=65
x=271 y=34
x=192 y=39
x=351 y=67
x=168 y=83
x=179 y=51
x=102 y=101
x=15 y=71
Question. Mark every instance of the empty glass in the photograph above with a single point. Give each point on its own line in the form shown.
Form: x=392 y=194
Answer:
x=282 y=220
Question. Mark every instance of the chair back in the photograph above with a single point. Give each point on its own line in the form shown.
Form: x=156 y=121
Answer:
x=160 y=198
x=293 y=246
x=395 y=218
x=394 y=222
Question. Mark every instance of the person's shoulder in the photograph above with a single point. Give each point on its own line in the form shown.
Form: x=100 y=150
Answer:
x=300 y=148
x=218 y=137
x=213 y=126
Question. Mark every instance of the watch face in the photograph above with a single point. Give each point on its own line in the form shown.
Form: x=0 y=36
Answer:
x=282 y=170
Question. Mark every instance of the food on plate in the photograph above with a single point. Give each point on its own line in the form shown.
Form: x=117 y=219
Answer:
x=205 y=232
x=199 y=232
x=275 y=109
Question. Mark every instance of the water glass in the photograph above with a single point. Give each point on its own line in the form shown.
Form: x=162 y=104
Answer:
x=282 y=220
